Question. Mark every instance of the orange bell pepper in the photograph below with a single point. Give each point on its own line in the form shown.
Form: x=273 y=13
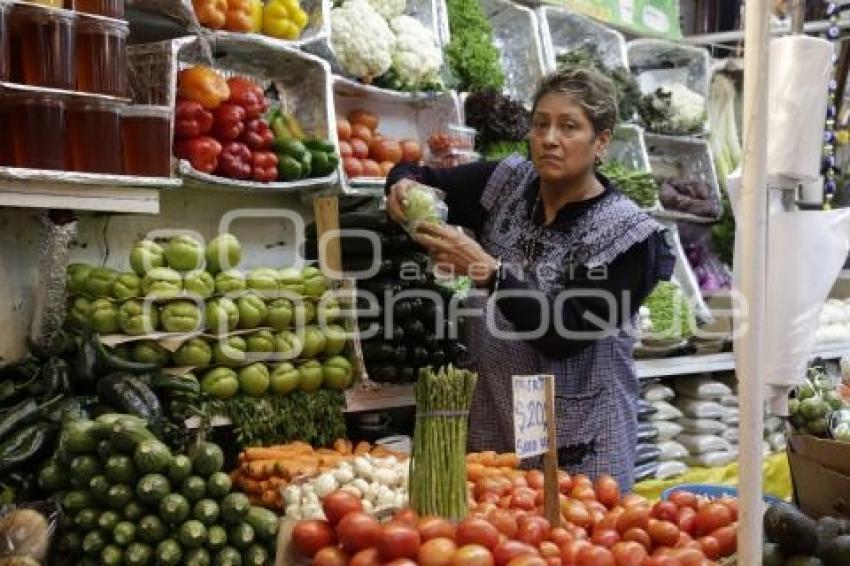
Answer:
x=210 y=13
x=240 y=15
x=203 y=85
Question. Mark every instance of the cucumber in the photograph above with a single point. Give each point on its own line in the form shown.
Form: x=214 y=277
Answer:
x=197 y=557
x=119 y=495
x=180 y=469
x=86 y=519
x=255 y=555
x=228 y=556
x=194 y=488
x=173 y=508
x=99 y=488
x=152 y=456
x=207 y=458
x=234 y=507
x=138 y=554
x=111 y=555
x=192 y=534
x=134 y=511
x=152 y=529
x=108 y=520
x=216 y=537
x=263 y=521
x=219 y=485
x=206 y=511
x=76 y=500
x=168 y=553
x=240 y=535
x=94 y=542
x=71 y=543
x=151 y=488
x=127 y=434
x=104 y=450
x=124 y=533
x=77 y=437
x=120 y=469
x=52 y=477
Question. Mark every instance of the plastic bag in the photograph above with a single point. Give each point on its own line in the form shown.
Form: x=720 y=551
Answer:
x=702 y=388
x=672 y=450
x=712 y=459
x=702 y=426
x=422 y=203
x=773 y=424
x=778 y=441
x=645 y=410
x=667 y=430
x=658 y=392
x=730 y=434
x=670 y=469
x=697 y=409
x=702 y=443
x=665 y=411
x=27 y=529
x=645 y=471
x=647 y=453
x=647 y=432
x=729 y=400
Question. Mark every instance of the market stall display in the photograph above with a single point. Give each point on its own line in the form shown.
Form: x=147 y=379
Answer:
x=793 y=537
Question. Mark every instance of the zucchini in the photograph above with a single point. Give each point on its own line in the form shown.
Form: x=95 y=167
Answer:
x=120 y=469
x=138 y=554
x=86 y=519
x=255 y=555
x=192 y=534
x=228 y=556
x=240 y=535
x=111 y=555
x=197 y=557
x=206 y=511
x=218 y=485
x=126 y=435
x=152 y=529
x=234 y=507
x=83 y=468
x=124 y=533
x=207 y=458
x=168 y=553
x=152 y=456
x=173 y=508
x=134 y=511
x=179 y=469
x=76 y=500
x=94 y=542
x=108 y=520
x=152 y=488
x=52 y=478
x=263 y=521
x=194 y=488
x=216 y=537
x=77 y=437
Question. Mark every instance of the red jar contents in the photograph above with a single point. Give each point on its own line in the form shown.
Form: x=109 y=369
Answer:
x=42 y=47
x=94 y=137
x=146 y=135
x=4 y=44
x=39 y=123
x=102 y=56
x=107 y=8
x=7 y=145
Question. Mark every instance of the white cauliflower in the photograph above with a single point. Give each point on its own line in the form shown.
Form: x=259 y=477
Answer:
x=389 y=8
x=417 y=58
x=361 y=39
x=673 y=108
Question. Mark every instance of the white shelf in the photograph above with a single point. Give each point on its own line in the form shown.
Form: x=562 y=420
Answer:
x=35 y=194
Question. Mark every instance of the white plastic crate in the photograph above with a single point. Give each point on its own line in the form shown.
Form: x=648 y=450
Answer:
x=563 y=31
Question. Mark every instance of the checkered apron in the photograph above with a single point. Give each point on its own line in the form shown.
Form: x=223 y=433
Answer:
x=596 y=390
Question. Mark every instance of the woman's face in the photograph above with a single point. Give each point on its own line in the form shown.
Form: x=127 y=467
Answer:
x=563 y=144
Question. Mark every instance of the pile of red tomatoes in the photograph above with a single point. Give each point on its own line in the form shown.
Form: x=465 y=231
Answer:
x=506 y=527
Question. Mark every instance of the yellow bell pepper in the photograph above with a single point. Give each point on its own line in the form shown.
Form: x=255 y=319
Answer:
x=256 y=16
x=284 y=19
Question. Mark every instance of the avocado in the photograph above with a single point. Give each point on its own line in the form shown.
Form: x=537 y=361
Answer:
x=795 y=533
x=828 y=528
x=770 y=555
x=837 y=551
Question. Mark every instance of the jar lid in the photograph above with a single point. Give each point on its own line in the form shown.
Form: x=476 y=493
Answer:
x=89 y=23
x=40 y=14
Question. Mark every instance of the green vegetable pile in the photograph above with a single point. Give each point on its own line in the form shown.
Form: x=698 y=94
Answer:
x=813 y=404
x=129 y=500
x=670 y=312
x=471 y=53
x=497 y=119
x=437 y=464
x=421 y=204
x=317 y=418
x=500 y=150
x=793 y=538
x=640 y=186
x=628 y=92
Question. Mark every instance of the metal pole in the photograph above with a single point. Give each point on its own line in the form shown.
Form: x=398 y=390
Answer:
x=752 y=222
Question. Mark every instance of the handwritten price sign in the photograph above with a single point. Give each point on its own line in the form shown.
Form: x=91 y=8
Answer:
x=531 y=431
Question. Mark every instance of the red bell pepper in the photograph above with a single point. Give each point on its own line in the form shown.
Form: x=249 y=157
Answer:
x=228 y=122
x=235 y=161
x=191 y=120
x=201 y=152
x=257 y=134
x=264 y=166
x=247 y=94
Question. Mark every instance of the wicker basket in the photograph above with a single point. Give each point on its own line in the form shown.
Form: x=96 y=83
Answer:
x=302 y=82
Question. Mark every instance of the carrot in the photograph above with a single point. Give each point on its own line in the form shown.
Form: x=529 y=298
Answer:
x=250 y=486
x=343 y=446
x=268 y=498
x=255 y=469
x=259 y=453
x=362 y=448
x=278 y=482
x=255 y=500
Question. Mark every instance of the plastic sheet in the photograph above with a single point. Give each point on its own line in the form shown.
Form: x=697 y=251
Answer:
x=563 y=31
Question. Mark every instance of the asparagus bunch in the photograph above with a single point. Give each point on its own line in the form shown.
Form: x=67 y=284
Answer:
x=438 y=463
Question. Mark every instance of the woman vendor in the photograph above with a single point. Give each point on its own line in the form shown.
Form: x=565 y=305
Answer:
x=561 y=252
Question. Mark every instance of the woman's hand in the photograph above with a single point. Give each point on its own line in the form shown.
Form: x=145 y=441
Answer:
x=396 y=199
x=452 y=250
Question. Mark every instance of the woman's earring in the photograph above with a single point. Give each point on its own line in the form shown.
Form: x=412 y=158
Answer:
x=598 y=161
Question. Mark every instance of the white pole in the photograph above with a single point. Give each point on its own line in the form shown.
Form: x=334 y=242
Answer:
x=752 y=223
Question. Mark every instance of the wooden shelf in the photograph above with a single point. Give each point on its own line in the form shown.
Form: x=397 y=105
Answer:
x=387 y=397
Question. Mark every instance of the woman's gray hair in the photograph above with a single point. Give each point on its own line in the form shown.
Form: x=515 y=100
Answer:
x=592 y=90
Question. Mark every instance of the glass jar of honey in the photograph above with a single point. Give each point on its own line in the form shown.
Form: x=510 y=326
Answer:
x=48 y=3
x=39 y=123
x=102 y=56
x=146 y=136
x=7 y=140
x=106 y=8
x=42 y=46
x=94 y=136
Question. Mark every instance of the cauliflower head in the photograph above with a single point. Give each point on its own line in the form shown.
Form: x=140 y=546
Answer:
x=361 y=39
x=417 y=58
x=389 y=8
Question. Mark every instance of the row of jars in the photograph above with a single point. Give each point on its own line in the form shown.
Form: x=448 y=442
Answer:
x=71 y=133
x=55 y=48
x=107 y=8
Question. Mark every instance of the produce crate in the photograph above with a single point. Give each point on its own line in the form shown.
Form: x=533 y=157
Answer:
x=402 y=115
x=628 y=147
x=654 y=63
x=562 y=31
x=182 y=14
x=517 y=37
x=677 y=157
x=303 y=83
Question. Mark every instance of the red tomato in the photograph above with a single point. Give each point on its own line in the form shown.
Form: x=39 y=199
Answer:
x=505 y=502
x=688 y=520
x=401 y=562
x=527 y=561
x=504 y=521
x=345 y=149
x=712 y=517
x=497 y=485
x=361 y=132
x=661 y=561
x=576 y=513
x=732 y=504
x=477 y=531
x=633 y=499
x=605 y=537
x=666 y=511
x=609 y=521
x=362 y=116
x=582 y=479
x=629 y=553
x=330 y=556
x=407 y=516
x=523 y=498
x=607 y=490
x=727 y=539
x=309 y=537
x=532 y=529
x=366 y=557
x=519 y=481
x=352 y=166
x=371 y=168
x=510 y=549
x=549 y=549
x=663 y=533
x=359 y=148
x=357 y=531
x=681 y=498
x=560 y=535
x=684 y=541
x=595 y=556
x=411 y=151
x=689 y=557
x=343 y=128
x=535 y=479
x=398 y=540
x=386 y=150
x=489 y=497
x=570 y=551
x=565 y=482
x=637 y=516
x=435 y=527
x=710 y=547
x=437 y=552
x=583 y=492
x=639 y=536
x=338 y=504
x=554 y=561
x=472 y=555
